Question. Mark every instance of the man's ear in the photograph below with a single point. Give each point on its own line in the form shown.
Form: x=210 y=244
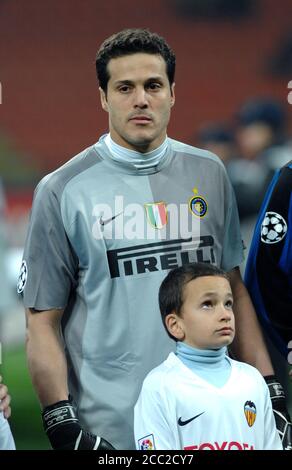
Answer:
x=174 y=325
x=172 y=97
x=103 y=99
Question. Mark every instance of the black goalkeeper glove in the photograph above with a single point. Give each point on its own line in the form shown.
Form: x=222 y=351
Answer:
x=64 y=431
x=282 y=418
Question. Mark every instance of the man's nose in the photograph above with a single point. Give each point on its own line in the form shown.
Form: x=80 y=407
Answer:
x=141 y=100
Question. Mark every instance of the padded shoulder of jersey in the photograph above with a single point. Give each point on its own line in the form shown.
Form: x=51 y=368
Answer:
x=57 y=180
x=194 y=151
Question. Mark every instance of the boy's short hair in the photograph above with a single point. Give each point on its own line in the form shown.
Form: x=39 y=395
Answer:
x=131 y=41
x=172 y=288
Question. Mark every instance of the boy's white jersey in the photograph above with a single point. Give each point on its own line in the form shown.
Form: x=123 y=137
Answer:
x=6 y=438
x=179 y=410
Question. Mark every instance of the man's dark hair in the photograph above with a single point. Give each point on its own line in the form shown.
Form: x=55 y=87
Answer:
x=131 y=41
x=171 y=292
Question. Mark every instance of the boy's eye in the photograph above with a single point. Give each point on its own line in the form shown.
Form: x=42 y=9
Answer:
x=207 y=304
x=229 y=304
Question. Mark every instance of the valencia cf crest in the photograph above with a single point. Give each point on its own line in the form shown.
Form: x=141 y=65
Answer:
x=156 y=214
x=250 y=412
x=198 y=205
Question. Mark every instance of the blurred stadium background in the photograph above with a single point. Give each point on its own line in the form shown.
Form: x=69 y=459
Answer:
x=227 y=52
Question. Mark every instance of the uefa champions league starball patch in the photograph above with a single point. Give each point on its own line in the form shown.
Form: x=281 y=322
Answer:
x=22 y=277
x=273 y=228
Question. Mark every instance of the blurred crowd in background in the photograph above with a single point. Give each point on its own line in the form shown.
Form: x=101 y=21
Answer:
x=252 y=149
x=234 y=62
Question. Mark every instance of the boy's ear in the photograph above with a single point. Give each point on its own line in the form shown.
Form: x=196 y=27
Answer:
x=174 y=325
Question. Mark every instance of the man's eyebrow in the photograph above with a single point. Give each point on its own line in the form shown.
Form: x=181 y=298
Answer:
x=123 y=82
x=157 y=78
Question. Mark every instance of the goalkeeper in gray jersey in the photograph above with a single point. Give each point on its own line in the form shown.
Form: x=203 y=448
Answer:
x=104 y=230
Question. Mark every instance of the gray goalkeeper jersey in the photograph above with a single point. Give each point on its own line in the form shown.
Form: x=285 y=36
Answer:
x=102 y=236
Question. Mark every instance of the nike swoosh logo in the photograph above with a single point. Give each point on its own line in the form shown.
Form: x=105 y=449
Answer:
x=106 y=221
x=183 y=423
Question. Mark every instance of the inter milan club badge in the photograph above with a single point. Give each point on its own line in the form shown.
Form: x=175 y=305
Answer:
x=156 y=214
x=198 y=205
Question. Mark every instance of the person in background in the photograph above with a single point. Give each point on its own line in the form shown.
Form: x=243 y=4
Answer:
x=268 y=273
x=268 y=270
x=6 y=288
x=260 y=129
x=5 y=400
x=6 y=438
x=218 y=138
